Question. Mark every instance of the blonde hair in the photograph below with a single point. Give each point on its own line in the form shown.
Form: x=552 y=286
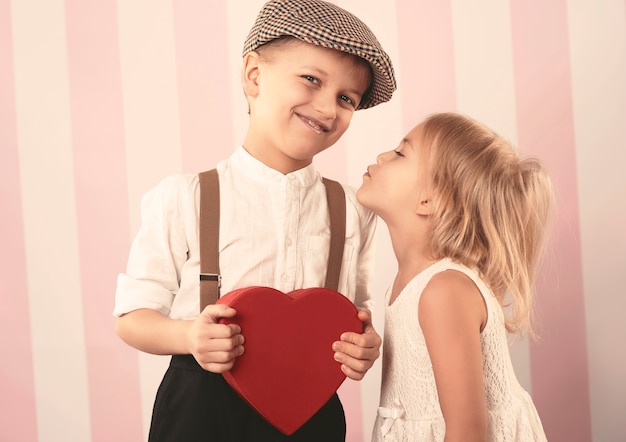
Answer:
x=491 y=208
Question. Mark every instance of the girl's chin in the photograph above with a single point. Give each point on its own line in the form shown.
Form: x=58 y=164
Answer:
x=361 y=198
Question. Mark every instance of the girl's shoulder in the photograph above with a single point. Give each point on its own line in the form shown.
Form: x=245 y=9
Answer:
x=453 y=296
x=447 y=272
x=447 y=279
x=438 y=276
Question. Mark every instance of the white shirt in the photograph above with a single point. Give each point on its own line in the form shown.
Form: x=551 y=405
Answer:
x=274 y=231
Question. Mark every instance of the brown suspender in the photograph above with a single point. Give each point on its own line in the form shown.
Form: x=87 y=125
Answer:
x=337 y=211
x=210 y=278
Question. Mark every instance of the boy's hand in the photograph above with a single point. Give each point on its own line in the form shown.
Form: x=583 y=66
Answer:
x=357 y=352
x=215 y=346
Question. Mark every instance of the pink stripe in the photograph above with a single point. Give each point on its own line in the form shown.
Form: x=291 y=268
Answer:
x=546 y=129
x=204 y=79
x=350 y=395
x=426 y=81
x=17 y=401
x=102 y=214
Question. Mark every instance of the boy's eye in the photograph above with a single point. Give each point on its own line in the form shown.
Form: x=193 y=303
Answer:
x=347 y=99
x=397 y=152
x=311 y=78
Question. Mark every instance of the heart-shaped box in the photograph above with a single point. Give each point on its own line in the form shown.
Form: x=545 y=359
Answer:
x=288 y=372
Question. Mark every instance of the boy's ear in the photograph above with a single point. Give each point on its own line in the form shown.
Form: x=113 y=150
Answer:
x=250 y=74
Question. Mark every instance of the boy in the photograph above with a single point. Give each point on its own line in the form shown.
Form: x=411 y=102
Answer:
x=308 y=65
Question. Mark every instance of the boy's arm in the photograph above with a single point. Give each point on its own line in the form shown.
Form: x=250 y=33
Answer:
x=357 y=352
x=365 y=259
x=215 y=346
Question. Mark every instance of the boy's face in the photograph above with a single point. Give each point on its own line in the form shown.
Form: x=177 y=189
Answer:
x=302 y=98
x=397 y=186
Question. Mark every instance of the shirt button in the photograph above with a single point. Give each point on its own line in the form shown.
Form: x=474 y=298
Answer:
x=284 y=277
x=288 y=243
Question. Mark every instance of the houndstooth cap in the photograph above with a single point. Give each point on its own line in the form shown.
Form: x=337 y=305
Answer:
x=325 y=24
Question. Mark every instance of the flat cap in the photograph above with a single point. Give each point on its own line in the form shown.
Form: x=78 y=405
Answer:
x=325 y=24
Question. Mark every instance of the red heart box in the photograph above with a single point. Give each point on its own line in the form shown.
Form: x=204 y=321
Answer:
x=287 y=372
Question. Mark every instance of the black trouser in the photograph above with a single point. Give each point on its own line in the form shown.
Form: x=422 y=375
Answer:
x=194 y=405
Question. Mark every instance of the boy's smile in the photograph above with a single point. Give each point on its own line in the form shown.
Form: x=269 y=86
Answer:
x=302 y=98
x=316 y=125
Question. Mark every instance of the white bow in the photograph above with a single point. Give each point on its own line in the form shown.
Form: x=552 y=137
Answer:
x=390 y=415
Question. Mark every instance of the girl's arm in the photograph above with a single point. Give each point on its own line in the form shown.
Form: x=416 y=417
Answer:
x=215 y=346
x=452 y=313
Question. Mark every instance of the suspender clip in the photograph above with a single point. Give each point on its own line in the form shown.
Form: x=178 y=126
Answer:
x=212 y=277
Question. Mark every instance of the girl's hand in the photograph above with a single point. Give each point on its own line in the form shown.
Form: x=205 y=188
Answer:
x=215 y=346
x=357 y=352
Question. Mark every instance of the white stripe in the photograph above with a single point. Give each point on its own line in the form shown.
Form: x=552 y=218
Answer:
x=484 y=63
x=241 y=17
x=150 y=99
x=151 y=121
x=374 y=130
x=47 y=181
x=486 y=91
x=598 y=60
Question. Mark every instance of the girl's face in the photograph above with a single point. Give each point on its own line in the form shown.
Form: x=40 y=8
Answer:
x=397 y=186
x=301 y=98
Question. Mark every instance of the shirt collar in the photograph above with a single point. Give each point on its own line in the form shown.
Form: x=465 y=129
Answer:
x=305 y=177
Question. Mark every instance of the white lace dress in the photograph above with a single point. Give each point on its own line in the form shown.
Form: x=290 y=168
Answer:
x=409 y=405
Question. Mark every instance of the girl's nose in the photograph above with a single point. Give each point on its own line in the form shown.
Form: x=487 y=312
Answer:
x=382 y=157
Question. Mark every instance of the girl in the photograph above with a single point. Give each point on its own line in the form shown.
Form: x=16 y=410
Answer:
x=467 y=220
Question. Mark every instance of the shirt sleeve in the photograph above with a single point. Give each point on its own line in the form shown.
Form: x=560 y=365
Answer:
x=365 y=253
x=159 y=250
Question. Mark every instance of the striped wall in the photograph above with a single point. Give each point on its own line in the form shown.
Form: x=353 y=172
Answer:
x=99 y=99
